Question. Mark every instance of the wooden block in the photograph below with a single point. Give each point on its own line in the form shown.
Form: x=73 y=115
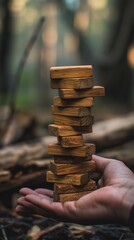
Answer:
x=72 y=83
x=73 y=121
x=81 y=93
x=68 y=188
x=84 y=151
x=58 y=130
x=71 y=159
x=71 y=72
x=64 y=169
x=71 y=141
x=71 y=111
x=75 y=179
x=69 y=196
x=83 y=102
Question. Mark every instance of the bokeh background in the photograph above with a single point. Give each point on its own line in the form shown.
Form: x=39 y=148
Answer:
x=97 y=32
x=34 y=36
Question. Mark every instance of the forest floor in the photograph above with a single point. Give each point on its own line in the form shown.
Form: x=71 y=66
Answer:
x=14 y=227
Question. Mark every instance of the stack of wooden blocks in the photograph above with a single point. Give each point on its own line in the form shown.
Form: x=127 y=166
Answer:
x=72 y=166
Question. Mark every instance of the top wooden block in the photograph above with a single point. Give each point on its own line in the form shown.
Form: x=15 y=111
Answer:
x=71 y=72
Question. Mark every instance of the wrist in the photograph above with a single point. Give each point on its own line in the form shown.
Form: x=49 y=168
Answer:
x=127 y=203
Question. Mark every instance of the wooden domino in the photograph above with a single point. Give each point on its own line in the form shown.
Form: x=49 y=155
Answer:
x=82 y=102
x=60 y=130
x=69 y=196
x=71 y=159
x=68 y=188
x=81 y=93
x=72 y=83
x=72 y=170
x=71 y=141
x=69 y=111
x=71 y=72
x=75 y=179
x=73 y=121
x=84 y=151
x=64 y=169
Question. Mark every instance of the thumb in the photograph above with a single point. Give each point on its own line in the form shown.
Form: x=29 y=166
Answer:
x=101 y=162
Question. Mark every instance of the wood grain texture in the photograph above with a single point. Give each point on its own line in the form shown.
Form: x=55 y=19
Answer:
x=73 y=121
x=71 y=111
x=75 y=179
x=84 y=151
x=60 y=130
x=81 y=93
x=68 y=188
x=71 y=159
x=71 y=141
x=64 y=169
x=69 y=196
x=71 y=71
x=72 y=83
x=83 y=102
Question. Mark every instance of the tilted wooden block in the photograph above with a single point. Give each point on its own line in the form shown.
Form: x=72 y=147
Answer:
x=69 y=196
x=71 y=111
x=71 y=159
x=68 y=188
x=82 y=102
x=81 y=93
x=84 y=151
x=58 y=130
x=75 y=179
x=71 y=141
x=71 y=72
x=64 y=169
x=73 y=121
x=72 y=83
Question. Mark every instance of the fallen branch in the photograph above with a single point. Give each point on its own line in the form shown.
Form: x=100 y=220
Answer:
x=111 y=133
x=19 y=154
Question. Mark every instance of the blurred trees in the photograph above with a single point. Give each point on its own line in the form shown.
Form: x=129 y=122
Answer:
x=94 y=32
x=5 y=45
x=114 y=66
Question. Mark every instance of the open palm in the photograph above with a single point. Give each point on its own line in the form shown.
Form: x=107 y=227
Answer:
x=110 y=203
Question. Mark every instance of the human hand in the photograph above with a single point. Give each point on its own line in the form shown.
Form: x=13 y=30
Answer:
x=111 y=203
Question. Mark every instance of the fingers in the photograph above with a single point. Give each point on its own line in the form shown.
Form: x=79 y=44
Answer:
x=54 y=209
x=26 y=191
x=23 y=211
x=27 y=208
x=45 y=204
x=47 y=192
x=22 y=201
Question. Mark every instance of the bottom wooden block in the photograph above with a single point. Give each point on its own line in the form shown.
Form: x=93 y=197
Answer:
x=69 y=196
x=69 y=188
